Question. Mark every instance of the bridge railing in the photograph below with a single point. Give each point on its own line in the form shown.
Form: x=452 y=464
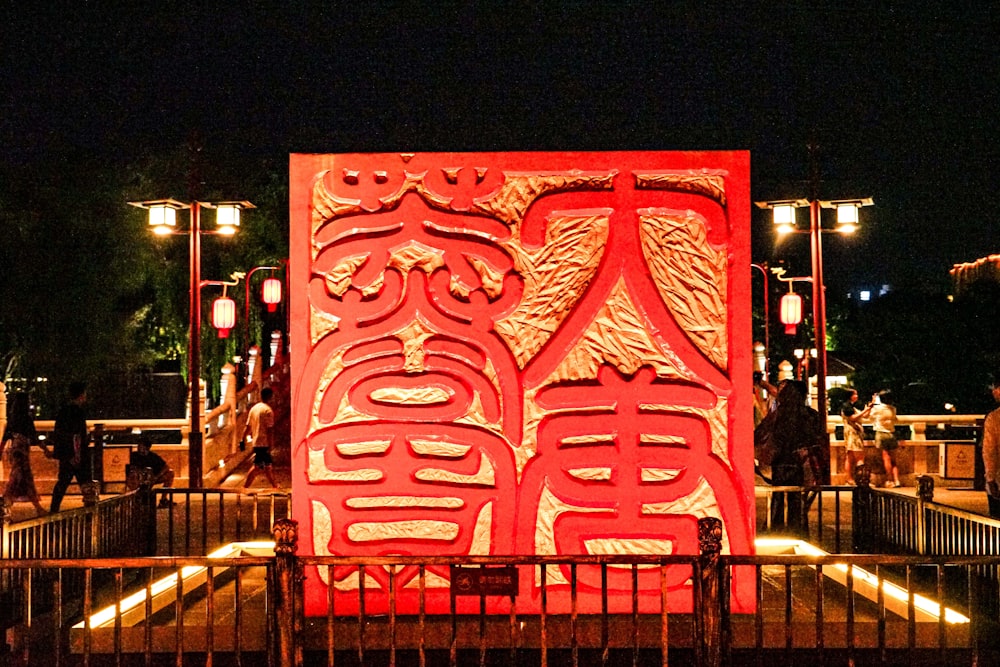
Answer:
x=249 y=607
x=113 y=439
x=943 y=446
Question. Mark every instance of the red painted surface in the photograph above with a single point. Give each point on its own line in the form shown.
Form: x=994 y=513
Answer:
x=373 y=209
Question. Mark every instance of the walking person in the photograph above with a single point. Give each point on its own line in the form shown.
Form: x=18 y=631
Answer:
x=259 y=432
x=18 y=436
x=991 y=454
x=854 y=433
x=884 y=418
x=70 y=443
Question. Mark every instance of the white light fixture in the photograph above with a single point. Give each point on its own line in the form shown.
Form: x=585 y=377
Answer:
x=847 y=213
x=227 y=216
x=227 y=219
x=784 y=218
x=162 y=219
x=791 y=312
x=847 y=218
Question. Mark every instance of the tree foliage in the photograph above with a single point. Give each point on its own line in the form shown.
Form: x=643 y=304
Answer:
x=927 y=344
x=88 y=293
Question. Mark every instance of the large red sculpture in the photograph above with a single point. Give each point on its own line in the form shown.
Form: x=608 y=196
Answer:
x=520 y=353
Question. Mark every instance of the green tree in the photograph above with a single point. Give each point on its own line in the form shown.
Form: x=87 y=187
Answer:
x=909 y=338
x=88 y=293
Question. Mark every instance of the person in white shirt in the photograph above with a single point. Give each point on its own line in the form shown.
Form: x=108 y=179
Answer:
x=884 y=418
x=259 y=432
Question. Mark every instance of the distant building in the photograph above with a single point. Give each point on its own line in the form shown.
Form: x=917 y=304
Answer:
x=965 y=274
x=868 y=293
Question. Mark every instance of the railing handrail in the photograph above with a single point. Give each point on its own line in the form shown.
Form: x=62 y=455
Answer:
x=951 y=419
x=130 y=562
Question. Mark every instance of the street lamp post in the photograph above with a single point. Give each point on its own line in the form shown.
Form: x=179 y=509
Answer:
x=767 y=321
x=847 y=221
x=246 y=303
x=162 y=216
x=819 y=304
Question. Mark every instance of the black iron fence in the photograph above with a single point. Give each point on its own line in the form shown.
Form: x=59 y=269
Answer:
x=242 y=607
x=62 y=574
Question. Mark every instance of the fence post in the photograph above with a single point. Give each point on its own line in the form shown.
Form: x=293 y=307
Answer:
x=710 y=546
x=925 y=494
x=147 y=501
x=97 y=456
x=6 y=518
x=286 y=539
x=862 y=516
x=254 y=372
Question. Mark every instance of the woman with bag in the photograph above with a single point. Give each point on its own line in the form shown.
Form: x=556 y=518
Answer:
x=854 y=433
x=17 y=440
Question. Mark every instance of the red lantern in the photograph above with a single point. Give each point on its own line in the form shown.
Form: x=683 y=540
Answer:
x=271 y=293
x=791 y=311
x=224 y=315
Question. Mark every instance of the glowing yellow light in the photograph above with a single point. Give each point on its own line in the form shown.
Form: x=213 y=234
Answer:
x=865 y=582
x=847 y=214
x=784 y=216
x=162 y=219
x=227 y=218
x=847 y=218
x=169 y=582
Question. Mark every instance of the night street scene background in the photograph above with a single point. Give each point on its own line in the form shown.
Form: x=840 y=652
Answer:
x=104 y=104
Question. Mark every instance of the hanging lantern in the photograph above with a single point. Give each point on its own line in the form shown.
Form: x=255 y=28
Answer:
x=224 y=315
x=271 y=293
x=791 y=312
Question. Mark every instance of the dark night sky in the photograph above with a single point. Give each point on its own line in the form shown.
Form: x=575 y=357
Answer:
x=901 y=101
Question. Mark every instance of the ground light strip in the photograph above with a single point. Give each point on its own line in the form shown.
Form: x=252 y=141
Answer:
x=169 y=582
x=865 y=583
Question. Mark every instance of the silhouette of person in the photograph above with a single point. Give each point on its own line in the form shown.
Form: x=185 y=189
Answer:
x=991 y=454
x=143 y=457
x=70 y=442
x=795 y=431
x=884 y=417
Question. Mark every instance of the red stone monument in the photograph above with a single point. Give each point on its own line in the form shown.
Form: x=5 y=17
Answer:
x=520 y=353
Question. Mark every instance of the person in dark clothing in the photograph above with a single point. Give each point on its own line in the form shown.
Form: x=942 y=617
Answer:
x=143 y=457
x=795 y=432
x=70 y=443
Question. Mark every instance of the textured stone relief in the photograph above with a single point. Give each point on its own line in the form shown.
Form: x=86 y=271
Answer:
x=520 y=354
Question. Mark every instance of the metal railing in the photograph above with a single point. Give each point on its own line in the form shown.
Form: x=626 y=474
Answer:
x=797 y=611
x=115 y=526
x=132 y=524
x=182 y=607
x=250 y=609
x=201 y=520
